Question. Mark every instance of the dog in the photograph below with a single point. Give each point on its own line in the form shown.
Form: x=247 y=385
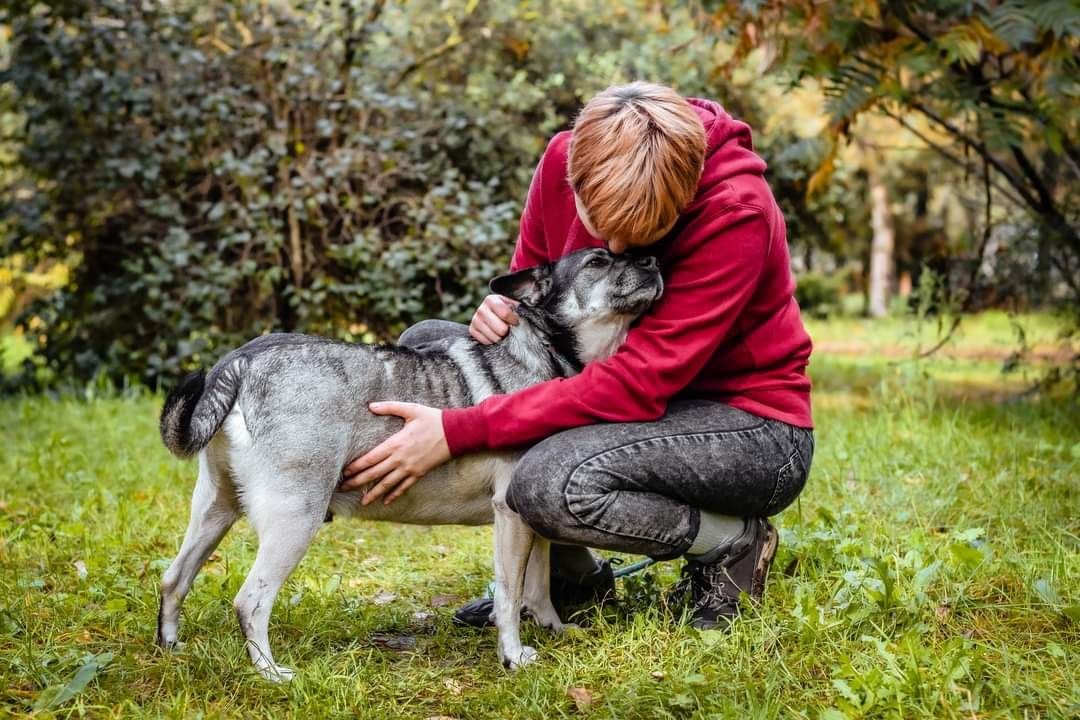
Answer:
x=276 y=420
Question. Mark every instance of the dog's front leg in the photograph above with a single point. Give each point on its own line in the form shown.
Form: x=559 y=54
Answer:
x=513 y=543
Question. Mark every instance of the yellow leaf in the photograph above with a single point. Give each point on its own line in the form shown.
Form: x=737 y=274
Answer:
x=582 y=698
x=820 y=178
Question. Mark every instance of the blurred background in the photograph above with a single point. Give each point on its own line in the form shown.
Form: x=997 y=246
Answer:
x=180 y=176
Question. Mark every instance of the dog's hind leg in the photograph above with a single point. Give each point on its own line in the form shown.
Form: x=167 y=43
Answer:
x=538 y=586
x=285 y=525
x=213 y=512
x=513 y=543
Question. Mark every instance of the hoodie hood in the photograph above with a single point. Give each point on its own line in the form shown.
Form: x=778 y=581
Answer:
x=729 y=148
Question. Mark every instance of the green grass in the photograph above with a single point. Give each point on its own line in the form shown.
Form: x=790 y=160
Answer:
x=991 y=333
x=929 y=570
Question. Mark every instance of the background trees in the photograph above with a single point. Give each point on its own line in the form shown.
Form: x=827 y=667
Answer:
x=202 y=172
x=991 y=87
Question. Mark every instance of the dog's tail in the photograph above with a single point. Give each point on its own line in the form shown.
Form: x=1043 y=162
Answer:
x=197 y=407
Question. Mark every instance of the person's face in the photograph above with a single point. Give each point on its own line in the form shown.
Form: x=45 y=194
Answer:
x=615 y=245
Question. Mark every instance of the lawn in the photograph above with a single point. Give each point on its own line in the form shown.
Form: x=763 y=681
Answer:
x=930 y=569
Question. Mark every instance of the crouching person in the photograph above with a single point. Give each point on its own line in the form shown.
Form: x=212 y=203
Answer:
x=698 y=427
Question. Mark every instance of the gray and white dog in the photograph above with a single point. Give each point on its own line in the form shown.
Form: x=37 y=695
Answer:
x=275 y=421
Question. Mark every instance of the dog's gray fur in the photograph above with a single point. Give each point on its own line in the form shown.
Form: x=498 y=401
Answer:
x=275 y=421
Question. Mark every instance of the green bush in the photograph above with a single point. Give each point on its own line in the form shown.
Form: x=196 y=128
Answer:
x=214 y=171
x=818 y=294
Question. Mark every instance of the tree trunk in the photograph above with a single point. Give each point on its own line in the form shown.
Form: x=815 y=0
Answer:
x=882 y=247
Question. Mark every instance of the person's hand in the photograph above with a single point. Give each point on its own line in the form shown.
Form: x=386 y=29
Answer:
x=403 y=458
x=492 y=320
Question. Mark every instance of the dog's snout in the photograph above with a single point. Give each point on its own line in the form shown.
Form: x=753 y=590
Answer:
x=647 y=263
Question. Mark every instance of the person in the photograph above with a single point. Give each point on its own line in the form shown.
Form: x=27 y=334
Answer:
x=699 y=426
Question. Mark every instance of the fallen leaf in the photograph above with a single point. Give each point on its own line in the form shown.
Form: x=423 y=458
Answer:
x=422 y=616
x=1046 y=592
x=582 y=698
x=384 y=597
x=441 y=550
x=657 y=675
x=444 y=600
x=452 y=685
x=80 y=569
x=393 y=641
x=56 y=696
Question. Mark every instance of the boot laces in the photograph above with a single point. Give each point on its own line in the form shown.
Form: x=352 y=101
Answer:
x=705 y=585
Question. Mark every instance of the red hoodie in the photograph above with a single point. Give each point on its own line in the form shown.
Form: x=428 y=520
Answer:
x=727 y=327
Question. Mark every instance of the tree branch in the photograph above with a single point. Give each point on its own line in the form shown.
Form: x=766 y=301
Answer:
x=973 y=281
x=982 y=150
x=426 y=58
x=951 y=157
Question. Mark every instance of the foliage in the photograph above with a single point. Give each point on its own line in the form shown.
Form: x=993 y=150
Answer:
x=899 y=590
x=233 y=168
x=818 y=294
x=214 y=171
x=991 y=86
x=205 y=172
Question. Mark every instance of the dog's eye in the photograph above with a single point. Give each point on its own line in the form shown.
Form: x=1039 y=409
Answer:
x=597 y=262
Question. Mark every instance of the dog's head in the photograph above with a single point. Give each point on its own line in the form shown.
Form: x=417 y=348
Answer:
x=588 y=298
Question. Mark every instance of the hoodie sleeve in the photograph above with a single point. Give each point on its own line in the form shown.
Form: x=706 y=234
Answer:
x=710 y=276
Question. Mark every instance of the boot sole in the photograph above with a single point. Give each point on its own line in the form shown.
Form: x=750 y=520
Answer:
x=761 y=571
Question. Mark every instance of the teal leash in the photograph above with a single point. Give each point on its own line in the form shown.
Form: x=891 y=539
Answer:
x=634 y=568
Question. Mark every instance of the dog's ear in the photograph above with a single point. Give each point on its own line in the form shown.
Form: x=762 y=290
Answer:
x=528 y=286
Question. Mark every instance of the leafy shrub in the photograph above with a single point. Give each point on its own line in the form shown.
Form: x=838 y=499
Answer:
x=818 y=294
x=214 y=171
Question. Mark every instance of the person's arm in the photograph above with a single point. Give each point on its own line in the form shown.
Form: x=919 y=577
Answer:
x=708 y=285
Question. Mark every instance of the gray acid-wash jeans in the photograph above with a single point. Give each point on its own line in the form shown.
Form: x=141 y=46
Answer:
x=641 y=487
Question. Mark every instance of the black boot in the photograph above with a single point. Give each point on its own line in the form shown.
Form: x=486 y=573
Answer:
x=711 y=583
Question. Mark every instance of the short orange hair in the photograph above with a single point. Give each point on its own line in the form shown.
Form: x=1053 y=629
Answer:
x=635 y=160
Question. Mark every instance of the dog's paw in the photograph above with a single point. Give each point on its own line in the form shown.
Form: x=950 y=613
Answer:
x=169 y=643
x=277 y=673
x=521 y=658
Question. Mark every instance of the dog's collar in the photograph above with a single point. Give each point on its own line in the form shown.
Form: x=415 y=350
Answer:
x=562 y=349
x=564 y=366
x=557 y=341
